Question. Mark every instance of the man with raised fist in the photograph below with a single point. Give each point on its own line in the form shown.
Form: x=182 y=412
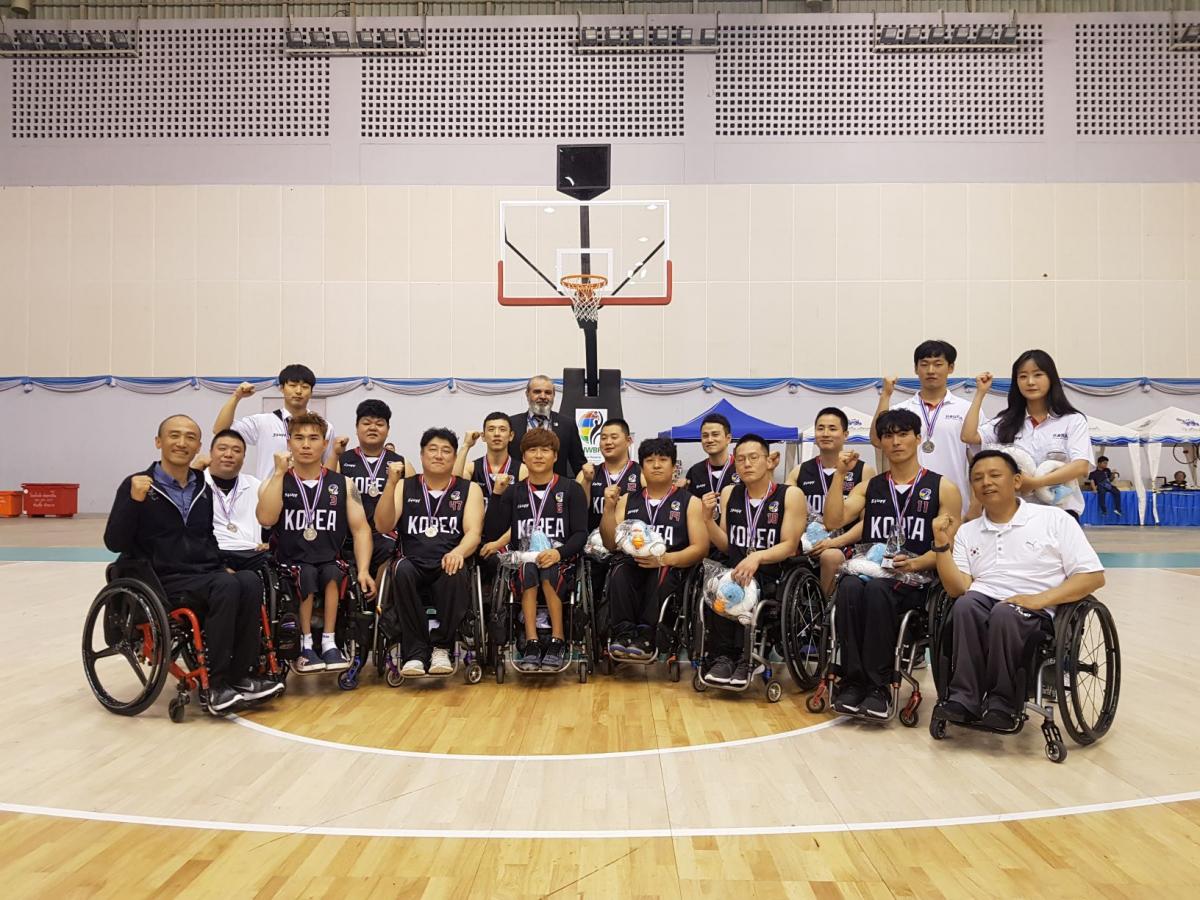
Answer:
x=269 y=431
x=164 y=516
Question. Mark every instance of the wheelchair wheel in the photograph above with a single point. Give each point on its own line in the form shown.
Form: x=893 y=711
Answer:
x=127 y=646
x=673 y=670
x=774 y=691
x=1087 y=656
x=177 y=708
x=698 y=684
x=474 y=673
x=940 y=604
x=802 y=622
x=937 y=728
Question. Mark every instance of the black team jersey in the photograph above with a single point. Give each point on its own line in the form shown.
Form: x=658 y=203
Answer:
x=919 y=511
x=325 y=498
x=431 y=523
x=754 y=526
x=703 y=478
x=485 y=478
x=365 y=474
x=815 y=481
x=560 y=509
x=629 y=480
x=667 y=516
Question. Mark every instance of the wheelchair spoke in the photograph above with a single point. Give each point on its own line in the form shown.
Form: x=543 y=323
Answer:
x=134 y=664
x=94 y=655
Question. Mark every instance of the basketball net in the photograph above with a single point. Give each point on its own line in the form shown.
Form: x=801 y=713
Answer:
x=585 y=302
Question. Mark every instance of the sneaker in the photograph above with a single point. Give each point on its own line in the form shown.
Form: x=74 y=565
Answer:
x=619 y=643
x=643 y=647
x=254 y=689
x=998 y=719
x=440 y=663
x=335 y=660
x=553 y=657
x=223 y=699
x=875 y=704
x=414 y=668
x=953 y=711
x=849 y=697
x=720 y=671
x=308 y=661
x=531 y=656
x=741 y=674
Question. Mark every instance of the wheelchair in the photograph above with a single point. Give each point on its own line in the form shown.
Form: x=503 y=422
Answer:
x=1076 y=668
x=674 y=632
x=471 y=642
x=912 y=643
x=578 y=618
x=131 y=617
x=804 y=622
x=763 y=636
x=356 y=615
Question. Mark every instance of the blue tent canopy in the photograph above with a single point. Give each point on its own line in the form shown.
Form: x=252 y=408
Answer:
x=742 y=423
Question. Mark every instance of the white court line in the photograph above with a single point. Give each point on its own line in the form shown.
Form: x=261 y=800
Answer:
x=532 y=834
x=533 y=757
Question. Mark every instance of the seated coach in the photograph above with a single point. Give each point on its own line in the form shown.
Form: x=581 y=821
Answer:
x=164 y=516
x=1010 y=568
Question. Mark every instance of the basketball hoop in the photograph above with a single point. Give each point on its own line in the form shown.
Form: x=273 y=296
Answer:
x=584 y=301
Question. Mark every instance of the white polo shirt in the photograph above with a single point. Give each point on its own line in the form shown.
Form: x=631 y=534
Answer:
x=949 y=456
x=236 y=508
x=1067 y=436
x=268 y=432
x=1038 y=549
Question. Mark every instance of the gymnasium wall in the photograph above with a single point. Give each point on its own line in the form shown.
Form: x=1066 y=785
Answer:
x=773 y=280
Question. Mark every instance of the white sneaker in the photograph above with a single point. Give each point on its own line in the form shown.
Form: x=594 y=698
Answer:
x=414 y=668
x=439 y=663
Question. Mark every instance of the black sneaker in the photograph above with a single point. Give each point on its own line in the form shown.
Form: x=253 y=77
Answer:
x=720 y=671
x=531 y=656
x=223 y=699
x=644 y=647
x=848 y=697
x=999 y=719
x=553 y=657
x=255 y=689
x=622 y=637
x=741 y=674
x=953 y=711
x=876 y=703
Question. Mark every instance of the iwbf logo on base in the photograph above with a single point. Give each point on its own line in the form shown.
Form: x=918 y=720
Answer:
x=589 y=422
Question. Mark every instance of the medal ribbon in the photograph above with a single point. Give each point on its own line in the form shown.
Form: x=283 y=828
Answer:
x=533 y=504
x=227 y=506
x=372 y=473
x=433 y=511
x=901 y=511
x=716 y=486
x=490 y=476
x=930 y=421
x=821 y=477
x=611 y=481
x=661 y=503
x=310 y=509
x=752 y=520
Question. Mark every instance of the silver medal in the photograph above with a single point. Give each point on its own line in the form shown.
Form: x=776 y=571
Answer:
x=373 y=490
x=310 y=534
x=927 y=446
x=431 y=531
x=895 y=543
x=232 y=528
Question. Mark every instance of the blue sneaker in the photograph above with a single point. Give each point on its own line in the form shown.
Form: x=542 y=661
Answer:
x=308 y=661
x=335 y=660
x=531 y=657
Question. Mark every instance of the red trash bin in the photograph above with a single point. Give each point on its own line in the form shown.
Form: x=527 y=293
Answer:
x=51 y=500
x=10 y=504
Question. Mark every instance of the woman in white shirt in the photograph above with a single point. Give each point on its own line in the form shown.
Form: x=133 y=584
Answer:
x=1040 y=420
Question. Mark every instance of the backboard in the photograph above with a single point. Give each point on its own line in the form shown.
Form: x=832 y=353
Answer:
x=626 y=241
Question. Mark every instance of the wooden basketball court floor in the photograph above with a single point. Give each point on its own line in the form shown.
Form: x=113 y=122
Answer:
x=628 y=786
